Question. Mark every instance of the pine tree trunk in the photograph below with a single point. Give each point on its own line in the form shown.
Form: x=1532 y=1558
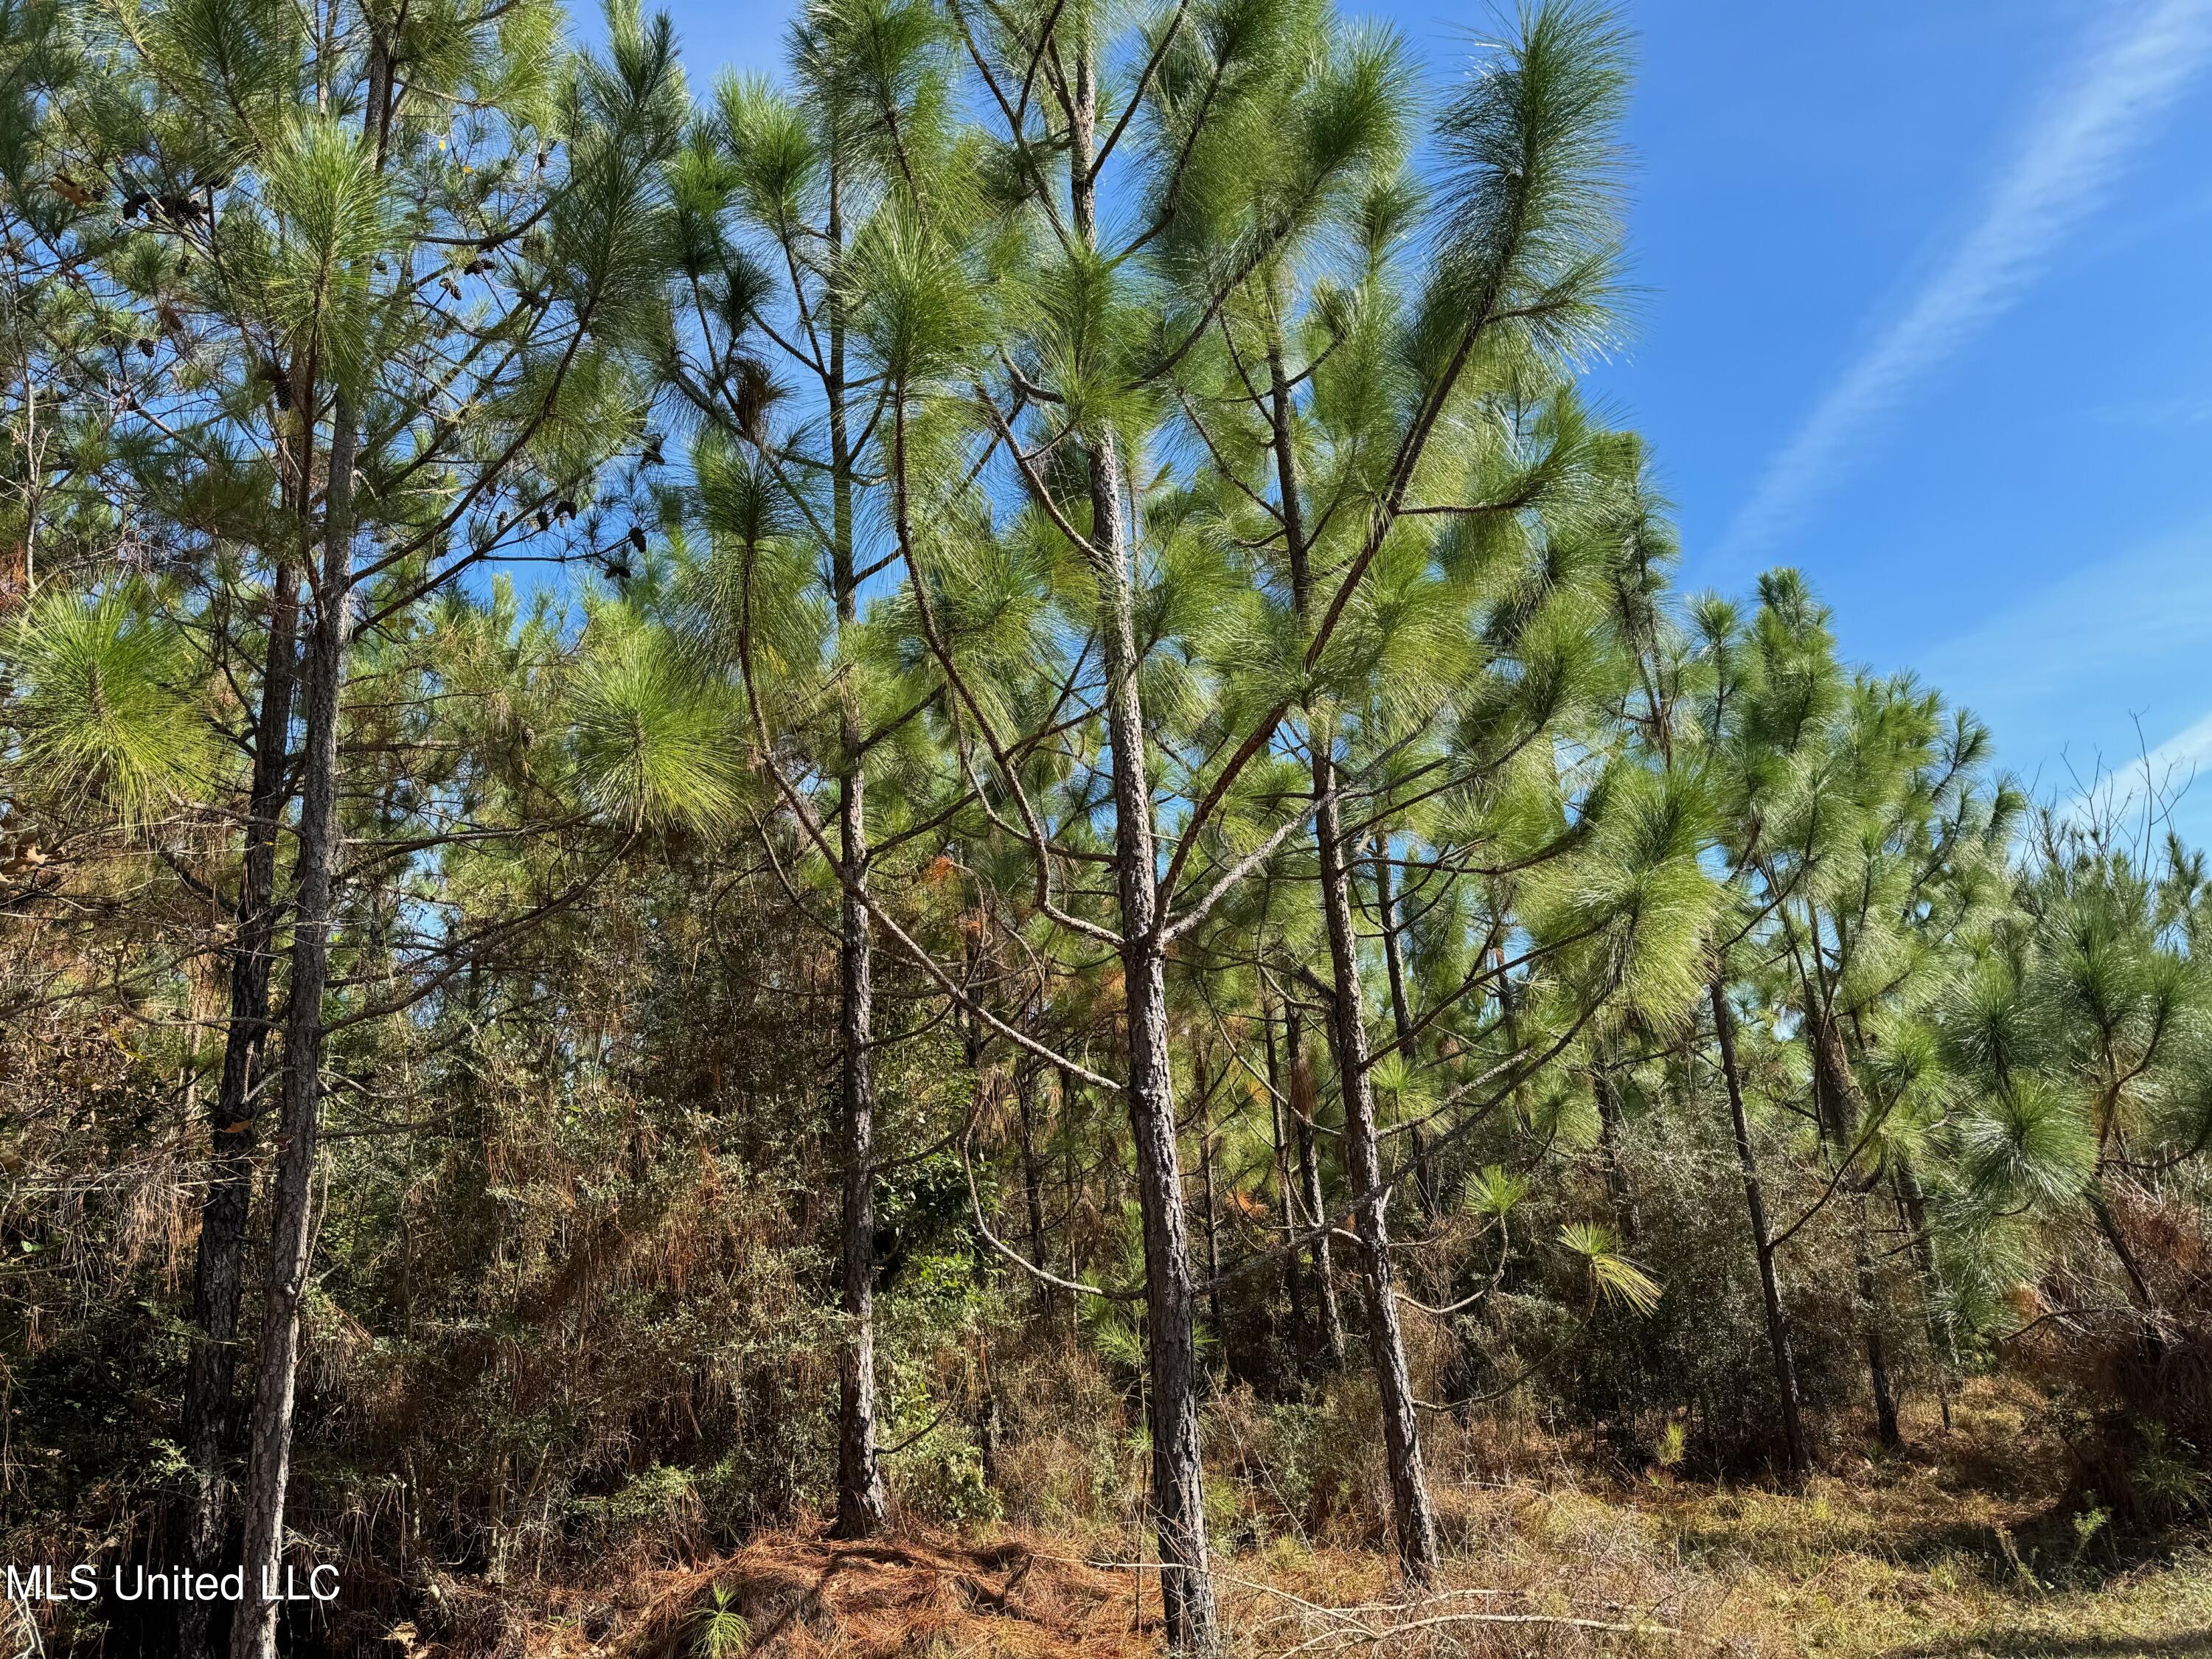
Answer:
x=1065 y=1101
x=2101 y=1207
x=1842 y=1112
x=1769 y=1282
x=1414 y=1523
x=989 y=1419
x=860 y=1497
x=1301 y=1125
x=1942 y=1338
x=1301 y=1333
x=254 y=1633
x=219 y=1262
x=1213 y=1220
x=1178 y=1476
x=1178 y=1484
x=1292 y=504
x=1401 y=1015
x=1070 y=1193
x=989 y=1422
x=1877 y=1350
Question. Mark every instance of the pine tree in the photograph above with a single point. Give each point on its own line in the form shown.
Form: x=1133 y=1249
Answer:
x=827 y=249
x=1863 y=838
x=363 y=369
x=1106 y=712
x=1524 y=251
x=2075 y=1033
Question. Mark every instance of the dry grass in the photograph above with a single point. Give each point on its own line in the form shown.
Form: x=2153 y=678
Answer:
x=1959 y=1550
x=1967 y=1546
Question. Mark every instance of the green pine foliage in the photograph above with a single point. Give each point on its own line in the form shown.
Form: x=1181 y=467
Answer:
x=760 y=547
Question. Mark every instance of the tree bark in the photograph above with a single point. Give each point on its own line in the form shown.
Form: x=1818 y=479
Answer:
x=1070 y=1191
x=1877 y=1350
x=1401 y=1016
x=1942 y=1337
x=1287 y=1201
x=253 y=1633
x=2101 y=1207
x=1769 y=1282
x=1178 y=1484
x=1303 y=1103
x=1213 y=1220
x=860 y=1497
x=1178 y=1477
x=219 y=1261
x=1414 y=1523
x=1842 y=1112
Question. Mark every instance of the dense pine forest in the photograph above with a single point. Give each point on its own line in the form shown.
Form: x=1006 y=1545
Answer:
x=931 y=859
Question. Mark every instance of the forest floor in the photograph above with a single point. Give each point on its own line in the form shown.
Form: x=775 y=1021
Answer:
x=1956 y=1549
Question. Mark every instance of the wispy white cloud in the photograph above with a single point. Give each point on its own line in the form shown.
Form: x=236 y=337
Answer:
x=2181 y=756
x=2128 y=630
x=2161 y=785
x=2082 y=138
x=2075 y=677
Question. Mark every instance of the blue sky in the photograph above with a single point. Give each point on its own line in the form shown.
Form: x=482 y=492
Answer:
x=1923 y=313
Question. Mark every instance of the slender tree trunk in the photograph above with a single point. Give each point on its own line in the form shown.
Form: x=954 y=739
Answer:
x=1065 y=1102
x=1415 y=1525
x=1942 y=1337
x=1301 y=1333
x=1877 y=1350
x=989 y=1420
x=861 y=1499
x=1401 y=1015
x=1212 y=1220
x=1769 y=1282
x=1071 y=1190
x=219 y=1263
x=1178 y=1476
x=1178 y=1485
x=1843 y=1112
x=1303 y=1103
x=2101 y=1207
x=987 y=1417
x=254 y=1633
x=1178 y=1489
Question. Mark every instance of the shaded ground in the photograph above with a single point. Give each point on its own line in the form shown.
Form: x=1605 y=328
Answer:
x=801 y=1597
x=1963 y=1549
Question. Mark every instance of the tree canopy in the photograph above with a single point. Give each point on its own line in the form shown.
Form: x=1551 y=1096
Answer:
x=736 y=798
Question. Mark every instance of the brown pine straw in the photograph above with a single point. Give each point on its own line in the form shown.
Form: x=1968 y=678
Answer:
x=806 y=1596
